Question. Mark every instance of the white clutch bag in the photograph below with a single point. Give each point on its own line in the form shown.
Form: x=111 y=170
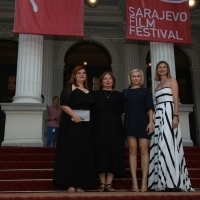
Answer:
x=85 y=114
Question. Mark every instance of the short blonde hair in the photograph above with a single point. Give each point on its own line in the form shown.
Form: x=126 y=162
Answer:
x=156 y=75
x=142 y=76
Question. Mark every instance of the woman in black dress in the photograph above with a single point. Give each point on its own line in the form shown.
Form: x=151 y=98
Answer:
x=109 y=141
x=74 y=159
x=138 y=124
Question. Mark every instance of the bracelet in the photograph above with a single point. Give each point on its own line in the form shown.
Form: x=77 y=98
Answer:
x=175 y=116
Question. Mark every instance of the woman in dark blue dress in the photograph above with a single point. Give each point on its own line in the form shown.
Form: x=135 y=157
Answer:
x=138 y=122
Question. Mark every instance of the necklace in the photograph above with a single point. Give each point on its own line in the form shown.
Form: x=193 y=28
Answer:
x=163 y=81
x=108 y=96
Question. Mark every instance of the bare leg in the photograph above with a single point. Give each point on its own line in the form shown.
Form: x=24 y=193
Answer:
x=132 y=143
x=109 y=179
x=143 y=144
x=102 y=178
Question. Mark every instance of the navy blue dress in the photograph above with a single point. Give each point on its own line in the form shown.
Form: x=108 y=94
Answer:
x=138 y=103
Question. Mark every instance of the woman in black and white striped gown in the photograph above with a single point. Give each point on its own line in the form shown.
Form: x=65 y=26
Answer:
x=167 y=166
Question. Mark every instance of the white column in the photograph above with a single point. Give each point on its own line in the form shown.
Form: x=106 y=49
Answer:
x=25 y=116
x=162 y=51
x=131 y=59
x=29 y=69
x=47 y=70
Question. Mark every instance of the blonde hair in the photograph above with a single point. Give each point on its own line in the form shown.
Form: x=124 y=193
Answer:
x=156 y=75
x=142 y=77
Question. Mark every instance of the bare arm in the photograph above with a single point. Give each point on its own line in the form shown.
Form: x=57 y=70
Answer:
x=70 y=112
x=174 y=88
x=150 y=125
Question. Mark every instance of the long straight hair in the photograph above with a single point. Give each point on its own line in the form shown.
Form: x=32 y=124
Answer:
x=73 y=79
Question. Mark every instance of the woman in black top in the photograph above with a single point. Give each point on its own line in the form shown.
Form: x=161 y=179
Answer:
x=74 y=161
x=108 y=132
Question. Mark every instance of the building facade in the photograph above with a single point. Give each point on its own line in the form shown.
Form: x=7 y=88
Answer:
x=26 y=75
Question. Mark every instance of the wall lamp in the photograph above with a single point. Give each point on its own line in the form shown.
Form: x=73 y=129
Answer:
x=92 y=3
x=193 y=4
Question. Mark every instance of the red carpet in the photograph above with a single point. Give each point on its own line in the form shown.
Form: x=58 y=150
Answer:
x=31 y=168
x=101 y=196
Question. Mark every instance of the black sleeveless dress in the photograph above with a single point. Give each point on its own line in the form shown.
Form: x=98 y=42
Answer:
x=74 y=160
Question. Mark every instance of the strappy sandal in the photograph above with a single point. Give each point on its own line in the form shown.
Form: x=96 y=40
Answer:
x=71 y=190
x=109 y=188
x=79 y=190
x=134 y=188
x=101 y=187
x=143 y=188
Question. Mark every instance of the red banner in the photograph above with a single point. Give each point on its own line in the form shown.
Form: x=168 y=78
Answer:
x=53 y=17
x=158 y=20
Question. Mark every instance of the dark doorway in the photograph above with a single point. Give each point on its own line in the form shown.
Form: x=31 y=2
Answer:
x=8 y=68
x=93 y=56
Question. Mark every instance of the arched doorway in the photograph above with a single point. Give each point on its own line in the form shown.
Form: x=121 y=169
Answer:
x=93 y=56
x=8 y=68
